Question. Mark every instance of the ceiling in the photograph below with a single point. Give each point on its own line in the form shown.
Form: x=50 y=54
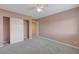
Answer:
x=25 y=9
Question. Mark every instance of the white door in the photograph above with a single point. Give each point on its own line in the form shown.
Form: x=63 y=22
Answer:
x=16 y=30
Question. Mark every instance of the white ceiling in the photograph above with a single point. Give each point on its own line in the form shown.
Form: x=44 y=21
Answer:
x=25 y=9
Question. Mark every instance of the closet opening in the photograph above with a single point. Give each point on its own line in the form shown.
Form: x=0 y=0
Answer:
x=26 y=29
x=6 y=29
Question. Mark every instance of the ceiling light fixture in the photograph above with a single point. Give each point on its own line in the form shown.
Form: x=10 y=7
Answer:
x=39 y=9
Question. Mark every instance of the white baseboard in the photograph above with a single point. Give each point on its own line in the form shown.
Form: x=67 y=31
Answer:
x=60 y=42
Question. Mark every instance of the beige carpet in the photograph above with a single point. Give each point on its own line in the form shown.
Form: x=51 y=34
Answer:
x=37 y=45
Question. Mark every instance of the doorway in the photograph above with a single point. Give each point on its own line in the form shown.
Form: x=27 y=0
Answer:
x=33 y=29
x=26 y=29
x=6 y=29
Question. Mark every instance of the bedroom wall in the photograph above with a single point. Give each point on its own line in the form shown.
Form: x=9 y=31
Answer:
x=63 y=27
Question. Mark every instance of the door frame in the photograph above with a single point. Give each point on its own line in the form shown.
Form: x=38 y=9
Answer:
x=9 y=29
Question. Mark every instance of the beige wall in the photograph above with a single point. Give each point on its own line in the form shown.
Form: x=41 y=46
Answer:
x=63 y=27
x=15 y=15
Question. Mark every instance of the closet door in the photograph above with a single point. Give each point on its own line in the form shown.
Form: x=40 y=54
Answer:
x=16 y=30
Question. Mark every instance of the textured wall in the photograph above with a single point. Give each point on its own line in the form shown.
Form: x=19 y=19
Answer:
x=63 y=26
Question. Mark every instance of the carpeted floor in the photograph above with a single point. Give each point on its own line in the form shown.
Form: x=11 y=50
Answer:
x=37 y=45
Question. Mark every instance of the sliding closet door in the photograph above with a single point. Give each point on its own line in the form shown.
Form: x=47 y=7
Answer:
x=16 y=30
